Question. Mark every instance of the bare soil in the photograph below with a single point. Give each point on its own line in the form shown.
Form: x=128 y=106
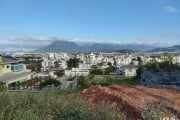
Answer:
x=131 y=99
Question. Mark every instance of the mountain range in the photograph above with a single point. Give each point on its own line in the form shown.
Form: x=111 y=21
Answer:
x=73 y=47
x=175 y=48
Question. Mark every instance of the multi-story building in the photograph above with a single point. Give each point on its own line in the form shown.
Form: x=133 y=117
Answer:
x=176 y=59
x=129 y=70
x=76 y=72
x=12 y=73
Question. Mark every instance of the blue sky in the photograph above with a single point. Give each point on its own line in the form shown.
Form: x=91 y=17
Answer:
x=153 y=22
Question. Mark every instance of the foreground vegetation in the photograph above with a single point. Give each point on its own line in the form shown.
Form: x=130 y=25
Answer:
x=61 y=105
x=53 y=105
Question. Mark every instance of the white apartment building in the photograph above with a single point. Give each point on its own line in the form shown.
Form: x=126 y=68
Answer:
x=46 y=64
x=76 y=72
x=90 y=59
x=129 y=70
x=176 y=59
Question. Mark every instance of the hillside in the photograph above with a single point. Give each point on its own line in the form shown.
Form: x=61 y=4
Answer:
x=52 y=105
x=62 y=46
x=133 y=101
x=115 y=102
x=175 y=48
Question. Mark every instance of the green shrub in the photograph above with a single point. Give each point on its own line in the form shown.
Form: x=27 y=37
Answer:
x=2 y=86
x=71 y=79
x=96 y=72
x=49 y=82
x=53 y=105
x=109 y=70
x=59 y=73
x=152 y=111
x=83 y=83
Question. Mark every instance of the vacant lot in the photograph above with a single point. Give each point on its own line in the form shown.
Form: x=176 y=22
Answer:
x=137 y=102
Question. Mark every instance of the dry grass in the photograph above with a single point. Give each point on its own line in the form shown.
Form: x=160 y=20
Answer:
x=54 y=105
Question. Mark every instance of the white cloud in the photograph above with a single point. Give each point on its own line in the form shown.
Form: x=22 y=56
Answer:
x=171 y=9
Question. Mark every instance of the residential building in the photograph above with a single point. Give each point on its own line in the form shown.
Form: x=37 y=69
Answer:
x=12 y=73
x=176 y=59
x=129 y=70
x=76 y=72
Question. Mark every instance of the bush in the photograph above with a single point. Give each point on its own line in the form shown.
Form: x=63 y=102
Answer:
x=165 y=66
x=71 y=79
x=2 y=86
x=52 y=105
x=33 y=65
x=59 y=73
x=82 y=82
x=109 y=70
x=73 y=63
x=50 y=82
x=96 y=72
x=151 y=111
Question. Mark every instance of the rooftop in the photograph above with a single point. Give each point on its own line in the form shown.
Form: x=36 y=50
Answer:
x=10 y=76
x=130 y=66
x=9 y=59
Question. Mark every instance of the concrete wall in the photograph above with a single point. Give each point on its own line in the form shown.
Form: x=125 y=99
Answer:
x=5 y=68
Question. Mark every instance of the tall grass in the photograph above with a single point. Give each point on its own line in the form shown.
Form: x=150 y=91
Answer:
x=52 y=105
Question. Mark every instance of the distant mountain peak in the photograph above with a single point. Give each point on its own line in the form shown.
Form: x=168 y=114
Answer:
x=175 y=48
x=73 y=47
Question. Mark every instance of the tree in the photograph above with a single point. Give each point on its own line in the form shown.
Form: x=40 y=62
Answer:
x=56 y=64
x=82 y=82
x=59 y=73
x=109 y=63
x=96 y=71
x=162 y=66
x=115 y=63
x=72 y=63
x=50 y=82
x=139 y=61
x=109 y=70
x=139 y=72
x=33 y=65
x=2 y=86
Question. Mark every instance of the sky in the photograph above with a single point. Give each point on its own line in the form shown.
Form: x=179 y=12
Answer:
x=34 y=23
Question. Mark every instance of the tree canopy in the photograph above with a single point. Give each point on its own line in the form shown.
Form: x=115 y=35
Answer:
x=73 y=63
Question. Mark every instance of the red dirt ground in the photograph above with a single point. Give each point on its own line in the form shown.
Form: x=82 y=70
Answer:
x=131 y=99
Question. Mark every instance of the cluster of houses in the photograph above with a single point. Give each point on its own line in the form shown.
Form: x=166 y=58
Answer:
x=12 y=72
x=126 y=64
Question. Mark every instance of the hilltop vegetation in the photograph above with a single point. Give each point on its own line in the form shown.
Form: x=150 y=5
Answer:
x=105 y=80
x=162 y=66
